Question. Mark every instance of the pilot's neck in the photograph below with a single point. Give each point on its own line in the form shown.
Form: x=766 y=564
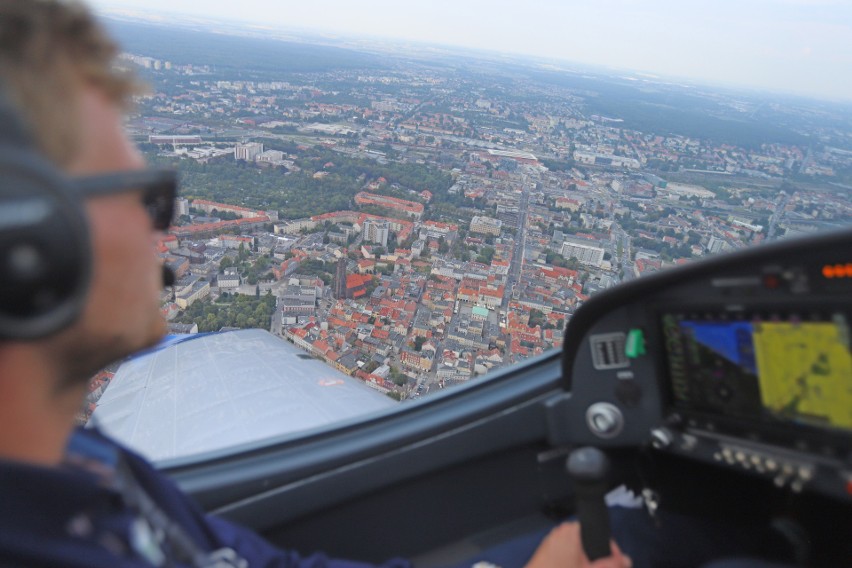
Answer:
x=36 y=417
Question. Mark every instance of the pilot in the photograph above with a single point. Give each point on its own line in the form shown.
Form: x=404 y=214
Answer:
x=72 y=497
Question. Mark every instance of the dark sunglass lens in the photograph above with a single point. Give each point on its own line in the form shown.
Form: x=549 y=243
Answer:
x=160 y=202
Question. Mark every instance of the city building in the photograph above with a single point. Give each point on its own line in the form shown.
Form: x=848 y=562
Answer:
x=486 y=225
x=229 y=279
x=174 y=140
x=584 y=251
x=187 y=295
x=596 y=159
x=715 y=245
x=235 y=241
x=376 y=232
x=409 y=208
x=181 y=206
x=271 y=156
x=248 y=152
x=294 y=227
x=211 y=206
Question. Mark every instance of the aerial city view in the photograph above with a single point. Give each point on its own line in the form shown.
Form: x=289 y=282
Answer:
x=417 y=218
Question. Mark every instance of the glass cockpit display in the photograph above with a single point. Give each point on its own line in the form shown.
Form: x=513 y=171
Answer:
x=779 y=369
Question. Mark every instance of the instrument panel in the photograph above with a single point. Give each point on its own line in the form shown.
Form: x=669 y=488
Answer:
x=743 y=361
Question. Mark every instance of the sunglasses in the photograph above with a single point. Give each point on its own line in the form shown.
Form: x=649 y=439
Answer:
x=159 y=190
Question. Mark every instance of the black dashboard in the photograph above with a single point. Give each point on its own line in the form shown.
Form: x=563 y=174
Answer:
x=741 y=361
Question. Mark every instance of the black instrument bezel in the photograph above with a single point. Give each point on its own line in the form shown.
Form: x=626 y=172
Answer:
x=826 y=442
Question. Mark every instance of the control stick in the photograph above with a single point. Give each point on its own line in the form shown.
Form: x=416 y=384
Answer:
x=588 y=468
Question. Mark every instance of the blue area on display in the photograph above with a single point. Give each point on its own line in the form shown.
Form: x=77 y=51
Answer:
x=731 y=340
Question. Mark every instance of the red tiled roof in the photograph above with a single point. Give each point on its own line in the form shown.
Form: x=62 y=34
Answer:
x=355 y=280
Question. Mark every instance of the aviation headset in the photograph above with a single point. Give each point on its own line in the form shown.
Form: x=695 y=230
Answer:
x=45 y=256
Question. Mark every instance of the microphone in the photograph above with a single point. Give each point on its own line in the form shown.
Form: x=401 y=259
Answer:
x=168 y=277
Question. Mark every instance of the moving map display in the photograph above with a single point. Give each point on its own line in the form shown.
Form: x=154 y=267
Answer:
x=794 y=371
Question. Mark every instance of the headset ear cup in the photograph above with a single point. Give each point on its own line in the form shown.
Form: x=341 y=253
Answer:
x=45 y=253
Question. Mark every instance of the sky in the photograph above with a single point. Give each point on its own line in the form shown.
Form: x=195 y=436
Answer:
x=792 y=46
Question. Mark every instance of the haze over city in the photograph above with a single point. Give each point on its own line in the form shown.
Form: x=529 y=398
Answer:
x=793 y=46
x=418 y=216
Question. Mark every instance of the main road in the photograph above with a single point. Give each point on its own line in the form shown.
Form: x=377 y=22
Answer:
x=520 y=247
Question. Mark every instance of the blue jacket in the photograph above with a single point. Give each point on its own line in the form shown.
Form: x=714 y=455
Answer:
x=78 y=514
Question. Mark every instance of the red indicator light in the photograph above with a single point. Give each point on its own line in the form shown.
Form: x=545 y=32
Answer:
x=837 y=270
x=771 y=281
x=849 y=487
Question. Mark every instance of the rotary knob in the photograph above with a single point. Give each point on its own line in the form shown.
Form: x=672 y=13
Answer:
x=605 y=420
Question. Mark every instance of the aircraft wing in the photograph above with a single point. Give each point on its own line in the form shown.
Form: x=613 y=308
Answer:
x=215 y=391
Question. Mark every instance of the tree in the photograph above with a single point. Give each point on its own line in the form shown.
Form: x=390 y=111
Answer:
x=371 y=286
x=397 y=377
x=486 y=255
x=555 y=259
x=536 y=318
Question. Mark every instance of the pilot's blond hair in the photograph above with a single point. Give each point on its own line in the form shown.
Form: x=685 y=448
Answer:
x=48 y=50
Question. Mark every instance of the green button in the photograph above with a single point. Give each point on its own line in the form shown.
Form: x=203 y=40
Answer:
x=635 y=345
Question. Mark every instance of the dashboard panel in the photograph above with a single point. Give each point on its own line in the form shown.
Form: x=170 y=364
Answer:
x=742 y=361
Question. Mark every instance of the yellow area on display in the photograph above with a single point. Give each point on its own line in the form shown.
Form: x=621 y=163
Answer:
x=805 y=371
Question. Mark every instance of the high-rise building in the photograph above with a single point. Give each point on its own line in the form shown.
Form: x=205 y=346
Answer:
x=717 y=245
x=584 y=251
x=181 y=206
x=248 y=151
x=377 y=232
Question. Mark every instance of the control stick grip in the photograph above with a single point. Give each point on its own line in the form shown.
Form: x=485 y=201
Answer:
x=589 y=468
